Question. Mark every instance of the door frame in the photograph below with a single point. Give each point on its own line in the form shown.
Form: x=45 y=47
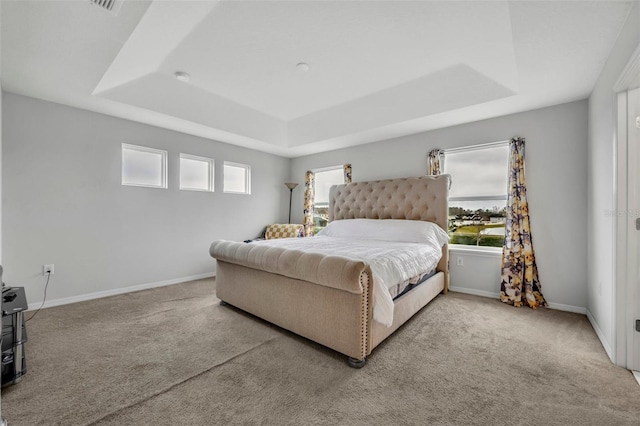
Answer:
x=625 y=235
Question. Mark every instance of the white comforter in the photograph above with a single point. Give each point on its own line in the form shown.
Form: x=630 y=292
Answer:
x=391 y=262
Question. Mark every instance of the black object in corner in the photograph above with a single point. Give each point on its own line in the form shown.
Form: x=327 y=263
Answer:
x=14 y=335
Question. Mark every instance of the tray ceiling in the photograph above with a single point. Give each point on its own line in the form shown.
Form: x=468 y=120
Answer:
x=377 y=70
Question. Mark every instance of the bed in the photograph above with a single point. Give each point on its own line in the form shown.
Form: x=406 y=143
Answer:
x=330 y=298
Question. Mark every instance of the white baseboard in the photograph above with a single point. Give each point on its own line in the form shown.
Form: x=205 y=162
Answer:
x=116 y=291
x=568 y=308
x=482 y=293
x=475 y=292
x=600 y=334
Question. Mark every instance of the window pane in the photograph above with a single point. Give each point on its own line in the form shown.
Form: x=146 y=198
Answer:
x=477 y=223
x=143 y=166
x=236 y=178
x=478 y=172
x=196 y=173
x=477 y=199
x=324 y=180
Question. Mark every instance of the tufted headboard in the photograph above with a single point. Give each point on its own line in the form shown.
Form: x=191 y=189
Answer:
x=414 y=198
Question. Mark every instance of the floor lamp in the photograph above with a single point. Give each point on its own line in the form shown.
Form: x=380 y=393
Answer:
x=290 y=185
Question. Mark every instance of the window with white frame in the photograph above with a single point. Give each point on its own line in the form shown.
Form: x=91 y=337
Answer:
x=324 y=179
x=478 y=194
x=196 y=173
x=237 y=178
x=143 y=166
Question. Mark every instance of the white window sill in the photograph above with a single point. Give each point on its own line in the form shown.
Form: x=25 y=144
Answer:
x=475 y=250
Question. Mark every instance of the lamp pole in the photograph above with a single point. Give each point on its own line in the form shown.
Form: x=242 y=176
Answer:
x=290 y=185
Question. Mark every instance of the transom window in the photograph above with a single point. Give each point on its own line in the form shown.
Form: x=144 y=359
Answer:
x=477 y=199
x=237 y=178
x=143 y=166
x=196 y=173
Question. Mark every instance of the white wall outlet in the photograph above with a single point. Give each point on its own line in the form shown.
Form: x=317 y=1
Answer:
x=460 y=261
x=47 y=269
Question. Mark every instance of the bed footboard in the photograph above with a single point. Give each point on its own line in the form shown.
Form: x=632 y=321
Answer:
x=336 y=318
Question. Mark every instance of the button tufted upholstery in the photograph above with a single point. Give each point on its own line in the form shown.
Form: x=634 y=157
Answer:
x=417 y=198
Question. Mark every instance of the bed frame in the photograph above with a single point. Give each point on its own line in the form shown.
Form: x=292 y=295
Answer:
x=328 y=299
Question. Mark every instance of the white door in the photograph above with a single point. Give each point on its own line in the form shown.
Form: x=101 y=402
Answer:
x=633 y=267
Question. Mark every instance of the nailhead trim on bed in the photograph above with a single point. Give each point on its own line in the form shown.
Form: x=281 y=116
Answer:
x=364 y=281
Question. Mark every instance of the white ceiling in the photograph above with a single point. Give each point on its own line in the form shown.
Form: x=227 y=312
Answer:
x=378 y=69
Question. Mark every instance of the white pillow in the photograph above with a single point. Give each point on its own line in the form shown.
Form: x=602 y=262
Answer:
x=408 y=231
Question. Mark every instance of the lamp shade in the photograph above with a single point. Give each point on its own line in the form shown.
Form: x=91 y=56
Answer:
x=290 y=185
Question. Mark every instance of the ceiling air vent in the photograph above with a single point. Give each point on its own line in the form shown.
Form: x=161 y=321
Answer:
x=112 y=6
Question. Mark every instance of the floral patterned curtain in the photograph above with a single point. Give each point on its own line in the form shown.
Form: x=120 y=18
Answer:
x=309 y=185
x=434 y=162
x=519 y=270
x=347 y=173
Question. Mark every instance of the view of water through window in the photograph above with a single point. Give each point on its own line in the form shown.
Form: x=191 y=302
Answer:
x=477 y=223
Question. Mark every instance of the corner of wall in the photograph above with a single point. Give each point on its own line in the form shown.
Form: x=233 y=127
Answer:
x=603 y=284
x=603 y=339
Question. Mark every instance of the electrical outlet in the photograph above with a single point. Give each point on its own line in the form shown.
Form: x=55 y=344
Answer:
x=460 y=261
x=47 y=269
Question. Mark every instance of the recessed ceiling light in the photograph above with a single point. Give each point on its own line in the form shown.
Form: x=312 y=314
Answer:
x=182 y=76
x=303 y=66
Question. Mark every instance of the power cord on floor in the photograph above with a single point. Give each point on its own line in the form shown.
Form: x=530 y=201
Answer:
x=44 y=299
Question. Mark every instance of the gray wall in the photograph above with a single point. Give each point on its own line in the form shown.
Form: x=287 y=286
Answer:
x=601 y=188
x=556 y=160
x=64 y=203
x=0 y=149
x=0 y=167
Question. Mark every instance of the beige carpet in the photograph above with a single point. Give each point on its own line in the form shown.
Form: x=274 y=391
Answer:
x=173 y=356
